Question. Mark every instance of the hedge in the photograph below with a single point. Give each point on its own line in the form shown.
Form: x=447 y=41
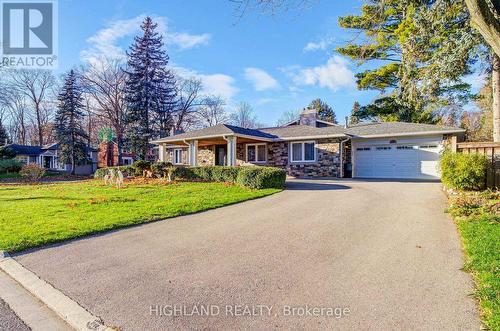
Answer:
x=250 y=176
x=9 y=166
x=464 y=171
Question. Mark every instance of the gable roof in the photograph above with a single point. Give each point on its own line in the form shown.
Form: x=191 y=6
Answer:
x=382 y=129
x=24 y=149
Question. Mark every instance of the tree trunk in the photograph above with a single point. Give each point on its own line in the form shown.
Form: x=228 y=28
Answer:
x=39 y=124
x=484 y=20
x=495 y=88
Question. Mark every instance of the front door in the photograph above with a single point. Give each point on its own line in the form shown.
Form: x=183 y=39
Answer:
x=220 y=155
x=47 y=162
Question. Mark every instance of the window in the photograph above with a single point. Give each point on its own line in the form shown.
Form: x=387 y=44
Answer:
x=406 y=147
x=303 y=152
x=363 y=148
x=177 y=156
x=256 y=153
x=383 y=148
x=428 y=146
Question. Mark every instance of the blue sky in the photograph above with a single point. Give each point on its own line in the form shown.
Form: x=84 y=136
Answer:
x=274 y=63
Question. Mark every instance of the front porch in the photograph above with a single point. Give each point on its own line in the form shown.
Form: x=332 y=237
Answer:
x=222 y=150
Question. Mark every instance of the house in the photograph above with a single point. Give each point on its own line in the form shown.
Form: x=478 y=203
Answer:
x=108 y=155
x=309 y=147
x=48 y=158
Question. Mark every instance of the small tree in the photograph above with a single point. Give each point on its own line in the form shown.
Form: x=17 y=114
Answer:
x=69 y=123
x=355 y=112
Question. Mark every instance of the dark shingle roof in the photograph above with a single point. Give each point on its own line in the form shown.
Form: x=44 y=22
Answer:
x=305 y=131
x=394 y=128
x=24 y=149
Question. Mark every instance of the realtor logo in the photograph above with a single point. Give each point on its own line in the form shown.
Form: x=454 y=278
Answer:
x=29 y=36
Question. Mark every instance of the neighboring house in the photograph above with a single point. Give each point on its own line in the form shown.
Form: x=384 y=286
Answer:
x=108 y=155
x=314 y=148
x=48 y=158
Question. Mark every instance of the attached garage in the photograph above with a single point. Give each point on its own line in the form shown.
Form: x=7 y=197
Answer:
x=397 y=157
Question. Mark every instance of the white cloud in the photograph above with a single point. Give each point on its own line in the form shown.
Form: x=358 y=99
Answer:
x=105 y=42
x=218 y=84
x=318 y=45
x=333 y=75
x=260 y=79
x=213 y=84
x=186 y=41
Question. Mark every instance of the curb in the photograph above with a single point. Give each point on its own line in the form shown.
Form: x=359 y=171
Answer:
x=70 y=311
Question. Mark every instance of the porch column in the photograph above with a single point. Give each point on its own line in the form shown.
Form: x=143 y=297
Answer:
x=193 y=153
x=231 y=151
x=162 y=152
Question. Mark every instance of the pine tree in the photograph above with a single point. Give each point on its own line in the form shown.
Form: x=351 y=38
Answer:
x=325 y=111
x=355 y=113
x=4 y=138
x=150 y=90
x=69 y=123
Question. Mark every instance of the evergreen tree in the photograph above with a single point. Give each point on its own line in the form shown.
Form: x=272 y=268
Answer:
x=4 y=138
x=325 y=111
x=355 y=113
x=150 y=90
x=420 y=51
x=69 y=123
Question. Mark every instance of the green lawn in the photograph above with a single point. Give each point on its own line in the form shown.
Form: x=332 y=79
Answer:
x=478 y=221
x=34 y=215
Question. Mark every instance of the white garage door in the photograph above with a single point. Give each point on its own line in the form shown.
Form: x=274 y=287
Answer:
x=418 y=160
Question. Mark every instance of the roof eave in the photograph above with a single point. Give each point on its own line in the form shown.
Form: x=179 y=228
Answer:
x=406 y=134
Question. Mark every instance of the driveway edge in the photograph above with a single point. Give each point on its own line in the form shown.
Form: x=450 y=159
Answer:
x=70 y=311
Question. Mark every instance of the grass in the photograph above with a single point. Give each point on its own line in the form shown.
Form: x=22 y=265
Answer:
x=10 y=175
x=35 y=215
x=479 y=226
x=13 y=175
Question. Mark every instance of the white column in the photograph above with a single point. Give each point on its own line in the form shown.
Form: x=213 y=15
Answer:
x=193 y=153
x=162 y=149
x=231 y=151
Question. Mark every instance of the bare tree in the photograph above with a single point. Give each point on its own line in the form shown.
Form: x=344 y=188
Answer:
x=189 y=99
x=17 y=110
x=288 y=116
x=36 y=85
x=104 y=82
x=212 y=112
x=244 y=116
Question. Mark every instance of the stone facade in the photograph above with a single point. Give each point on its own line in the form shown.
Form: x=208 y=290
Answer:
x=327 y=162
x=206 y=156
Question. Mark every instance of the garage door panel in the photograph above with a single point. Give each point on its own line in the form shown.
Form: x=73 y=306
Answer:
x=419 y=160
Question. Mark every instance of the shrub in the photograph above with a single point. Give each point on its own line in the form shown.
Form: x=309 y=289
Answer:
x=225 y=174
x=10 y=165
x=163 y=170
x=140 y=166
x=261 y=177
x=464 y=171
x=183 y=173
x=32 y=172
x=249 y=176
x=126 y=170
x=7 y=153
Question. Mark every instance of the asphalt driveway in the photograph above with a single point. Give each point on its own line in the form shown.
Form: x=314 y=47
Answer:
x=382 y=253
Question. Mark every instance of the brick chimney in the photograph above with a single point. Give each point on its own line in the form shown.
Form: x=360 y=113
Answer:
x=308 y=116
